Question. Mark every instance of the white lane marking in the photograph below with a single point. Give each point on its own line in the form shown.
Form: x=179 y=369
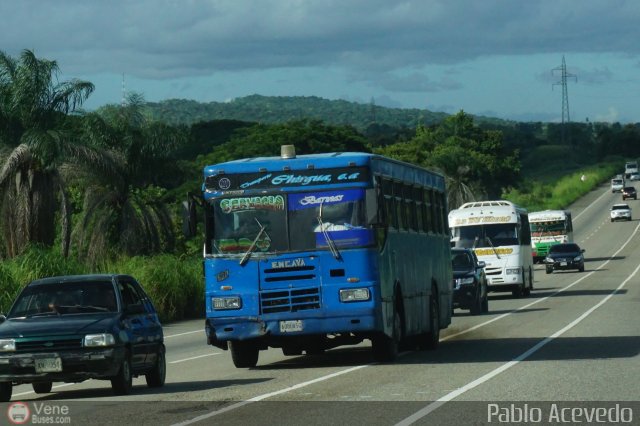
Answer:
x=591 y=205
x=194 y=357
x=269 y=395
x=184 y=334
x=53 y=387
x=480 y=380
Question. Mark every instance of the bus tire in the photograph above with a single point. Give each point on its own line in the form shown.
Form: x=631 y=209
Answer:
x=517 y=291
x=526 y=288
x=244 y=354
x=385 y=348
x=431 y=339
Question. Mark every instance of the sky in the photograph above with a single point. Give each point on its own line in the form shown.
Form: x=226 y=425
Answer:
x=497 y=58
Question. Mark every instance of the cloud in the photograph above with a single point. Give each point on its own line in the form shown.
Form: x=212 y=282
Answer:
x=171 y=39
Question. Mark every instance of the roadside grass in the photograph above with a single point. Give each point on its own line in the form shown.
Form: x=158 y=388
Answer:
x=560 y=193
x=174 y=284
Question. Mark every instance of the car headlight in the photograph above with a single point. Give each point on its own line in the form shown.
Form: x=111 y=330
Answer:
x=98 y=340
x=548 y=260
x=513 y=271
x=7 y=345
x=577 y=258
x=222 y=303
x=354 y=294
x=463 y=281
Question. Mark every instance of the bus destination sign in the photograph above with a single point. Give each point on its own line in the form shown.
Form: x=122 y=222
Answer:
x=293 y=178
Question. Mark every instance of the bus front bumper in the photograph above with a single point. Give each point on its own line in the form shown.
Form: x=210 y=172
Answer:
x=220 y=330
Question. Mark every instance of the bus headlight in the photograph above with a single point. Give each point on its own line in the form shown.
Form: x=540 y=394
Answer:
x=354 y=295
x=7 y=345
x=220 y=303
x=512 y=271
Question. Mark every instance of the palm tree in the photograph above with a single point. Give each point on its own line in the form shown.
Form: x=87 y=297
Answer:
x=123 y=206
x=35 y=140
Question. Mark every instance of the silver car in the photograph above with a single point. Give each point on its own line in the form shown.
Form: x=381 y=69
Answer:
x=620 y=211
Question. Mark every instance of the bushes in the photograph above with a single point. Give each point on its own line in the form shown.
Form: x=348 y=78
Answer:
x=175 y=285
x=561 y=193
x=36 y=262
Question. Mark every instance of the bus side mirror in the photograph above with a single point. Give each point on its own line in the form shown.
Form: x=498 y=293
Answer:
x=189 y=216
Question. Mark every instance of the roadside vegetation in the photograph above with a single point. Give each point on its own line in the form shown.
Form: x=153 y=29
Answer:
x=102 y=191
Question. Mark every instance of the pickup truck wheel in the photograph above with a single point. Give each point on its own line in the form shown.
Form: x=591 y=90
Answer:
x=6 y=388
x=42 y=387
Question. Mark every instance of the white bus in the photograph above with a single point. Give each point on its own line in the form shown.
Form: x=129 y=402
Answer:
x=549 y=227
x=630 y=167
x=498 y=231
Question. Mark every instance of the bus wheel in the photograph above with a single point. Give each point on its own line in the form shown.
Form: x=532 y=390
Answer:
x=244 y=354
x=431 y=339
x=517 y=292
x=526 y=288
x=385 y=348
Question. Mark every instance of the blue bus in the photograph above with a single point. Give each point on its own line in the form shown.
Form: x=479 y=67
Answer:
x=307 y=253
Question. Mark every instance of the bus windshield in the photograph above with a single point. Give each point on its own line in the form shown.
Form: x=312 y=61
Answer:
x=292 y=222
x=541 y=229
x=503 y=234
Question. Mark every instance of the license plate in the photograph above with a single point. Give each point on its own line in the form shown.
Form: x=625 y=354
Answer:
x=48 y=365
x=290 y=326
x=563 y=263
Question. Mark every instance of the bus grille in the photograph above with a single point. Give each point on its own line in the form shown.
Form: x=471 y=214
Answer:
x=494 y=275
x=289 y=300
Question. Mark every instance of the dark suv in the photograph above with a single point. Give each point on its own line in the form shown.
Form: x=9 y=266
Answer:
x=629 y=192
x=564 y=256
x=469 y=281
x=73 y=328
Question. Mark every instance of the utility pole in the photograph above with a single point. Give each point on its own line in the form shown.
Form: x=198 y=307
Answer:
x=123 y=102
x=564 y=76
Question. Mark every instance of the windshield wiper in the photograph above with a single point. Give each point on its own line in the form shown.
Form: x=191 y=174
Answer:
x=332 y=246
x=493 y=247
x=253 y=245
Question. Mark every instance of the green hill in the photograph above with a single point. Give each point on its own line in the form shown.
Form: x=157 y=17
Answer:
x=282 y=109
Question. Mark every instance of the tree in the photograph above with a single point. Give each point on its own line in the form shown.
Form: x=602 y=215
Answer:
x=35 y=142
x=123 y=206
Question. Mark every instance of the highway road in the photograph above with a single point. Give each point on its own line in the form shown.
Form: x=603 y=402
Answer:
x=574 y=343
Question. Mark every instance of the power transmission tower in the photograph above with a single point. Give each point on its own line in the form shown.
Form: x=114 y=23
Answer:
x=564 y=76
